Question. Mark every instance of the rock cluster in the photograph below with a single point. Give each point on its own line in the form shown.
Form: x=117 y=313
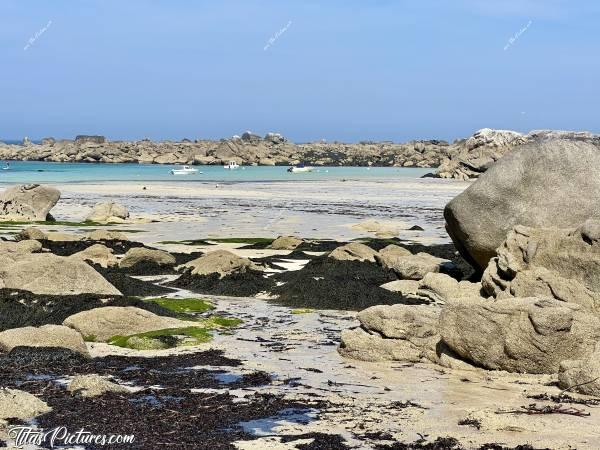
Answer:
x=467 y=159
x=273 y=149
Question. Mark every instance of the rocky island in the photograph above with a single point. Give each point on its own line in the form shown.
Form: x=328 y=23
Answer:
x=463 y=159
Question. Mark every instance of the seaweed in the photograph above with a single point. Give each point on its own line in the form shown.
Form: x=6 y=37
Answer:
x=20 y=308
x=240 y=284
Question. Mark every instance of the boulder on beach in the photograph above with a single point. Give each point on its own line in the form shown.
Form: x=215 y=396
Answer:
x=354 y=251
x=51 y=274
x=581 y=375
x=59 y=236
x=28 y=202
x=548 y=262
x=381 y=229
x=142 y=255
x=525 y=335
x=286 y=243
x=398 y=333
x=409 y=266
x=16 y=404
x=44 y=336
x=106 y=235
x=221 y=262
x=546 y=183
x=101 y=324
x=93 y=385
x=97 y=254
x=108 y=212
x=30 y=233
x=20 y=247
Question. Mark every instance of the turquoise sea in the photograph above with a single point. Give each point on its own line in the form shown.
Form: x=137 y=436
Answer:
x=50 y=172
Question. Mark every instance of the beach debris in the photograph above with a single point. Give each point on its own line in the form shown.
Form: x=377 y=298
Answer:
x=548 y=409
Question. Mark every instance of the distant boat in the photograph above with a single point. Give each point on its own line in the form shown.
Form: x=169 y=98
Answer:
x=300 y=168
x=185 y=170
x=6 y=166
x=231 y=165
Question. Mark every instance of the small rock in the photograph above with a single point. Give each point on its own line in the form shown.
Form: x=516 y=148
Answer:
x=354 y=251
x=93 y=385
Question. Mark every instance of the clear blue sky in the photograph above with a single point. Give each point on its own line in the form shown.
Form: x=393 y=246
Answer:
x=343 y=69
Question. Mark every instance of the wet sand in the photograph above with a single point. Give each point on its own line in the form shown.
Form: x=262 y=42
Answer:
x=315 y=209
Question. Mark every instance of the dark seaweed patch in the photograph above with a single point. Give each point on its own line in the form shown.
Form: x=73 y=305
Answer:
x=23 y=308
x=68 y=248
x=326 y=283
x=246 y=284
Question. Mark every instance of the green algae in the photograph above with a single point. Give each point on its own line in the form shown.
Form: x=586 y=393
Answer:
x=163 y=339
x=302 y=311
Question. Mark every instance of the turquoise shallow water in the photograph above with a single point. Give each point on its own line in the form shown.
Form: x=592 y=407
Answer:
x=48 y=172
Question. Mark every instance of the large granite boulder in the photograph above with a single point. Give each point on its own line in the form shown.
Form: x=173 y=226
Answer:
x=541 y=184
x=142 y=255
x=107 y=212
x=44 y=336
x=101 y=324
x=51 y=274
x=354 y=251
x=398 y=333
x=548 y=262
x=28 y=202
x=525 y=335
x=221 y=262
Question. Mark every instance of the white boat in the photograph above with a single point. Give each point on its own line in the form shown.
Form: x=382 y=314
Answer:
x=300 y=168
x=231 y=165
x=185 y=170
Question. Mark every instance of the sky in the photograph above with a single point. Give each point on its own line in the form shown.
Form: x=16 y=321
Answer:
x=346 y=70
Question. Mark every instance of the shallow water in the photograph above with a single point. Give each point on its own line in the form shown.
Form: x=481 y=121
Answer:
x=56 y=172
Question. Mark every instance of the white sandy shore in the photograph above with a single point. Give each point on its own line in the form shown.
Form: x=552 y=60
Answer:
x=317 y=209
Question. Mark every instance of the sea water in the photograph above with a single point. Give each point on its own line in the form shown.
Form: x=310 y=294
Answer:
x=55 y=172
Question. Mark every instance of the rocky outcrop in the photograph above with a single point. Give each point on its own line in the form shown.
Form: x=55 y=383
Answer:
x=85 y=139
x=519 y=190
x=221 y=262
x=101 y=324
x=249 y=149
x=286 y=243
x=527 y=335
x=400 y=333
x=354 y=251
x=142 y=255
x=44 y=336
x=51 y=274
x=548 y=262
x=28 y=202
x=469 y=158
x=108 y=212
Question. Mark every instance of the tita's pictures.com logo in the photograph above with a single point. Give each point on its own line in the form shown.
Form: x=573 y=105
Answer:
x=61 y=436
